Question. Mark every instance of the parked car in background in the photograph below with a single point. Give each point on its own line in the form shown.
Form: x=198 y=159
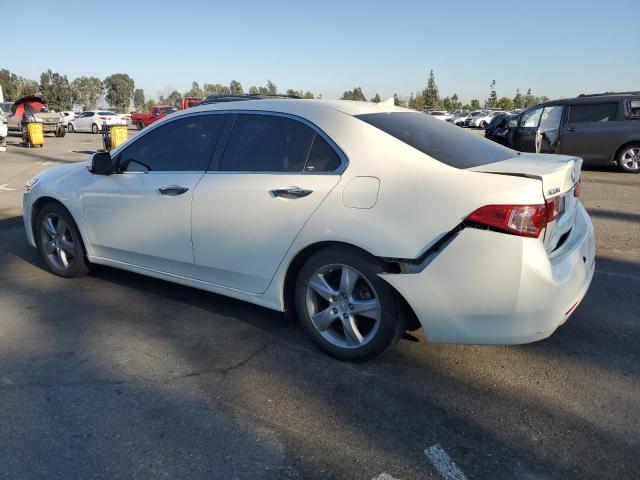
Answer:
x=4 y=132
x=141 y=120
x=456 y=117
x=602 y=129
x=92 y=121
x=66 y=117
x=310 y=208
x=6 y=109
x=441 y=115
x=482 y=122
x=471 y=117
x=51 y=121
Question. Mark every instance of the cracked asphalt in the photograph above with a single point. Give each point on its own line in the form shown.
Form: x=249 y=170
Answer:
x=116 y=375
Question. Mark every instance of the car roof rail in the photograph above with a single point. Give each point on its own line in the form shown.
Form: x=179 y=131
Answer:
x=241 y=97
x=582 y=95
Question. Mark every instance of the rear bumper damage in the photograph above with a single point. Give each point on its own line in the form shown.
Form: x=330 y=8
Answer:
x=487 y=287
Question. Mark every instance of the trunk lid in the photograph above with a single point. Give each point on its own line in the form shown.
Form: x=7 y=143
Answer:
x=559 y=175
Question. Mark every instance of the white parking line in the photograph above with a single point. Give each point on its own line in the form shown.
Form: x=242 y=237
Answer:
x=5 y=186
x=443 y=463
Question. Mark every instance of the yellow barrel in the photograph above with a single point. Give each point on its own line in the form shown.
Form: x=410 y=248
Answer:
x=119 y=134
x=35 y=133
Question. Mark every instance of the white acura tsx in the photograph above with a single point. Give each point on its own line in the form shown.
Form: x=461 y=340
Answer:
x=366 y=219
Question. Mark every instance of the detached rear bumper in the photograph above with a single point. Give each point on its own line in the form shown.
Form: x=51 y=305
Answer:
x=493 y=288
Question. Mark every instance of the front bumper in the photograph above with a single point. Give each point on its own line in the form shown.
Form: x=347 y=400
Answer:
x=492 y=288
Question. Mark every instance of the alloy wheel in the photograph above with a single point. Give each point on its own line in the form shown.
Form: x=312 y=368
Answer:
x=630 y=158
x=343 y=306
x=57 y=241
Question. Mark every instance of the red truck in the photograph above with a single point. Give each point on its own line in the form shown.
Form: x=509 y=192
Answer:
x=156 y=112
x=187 y=102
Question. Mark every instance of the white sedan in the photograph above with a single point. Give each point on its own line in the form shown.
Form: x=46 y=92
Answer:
x=483 y=121
x=441 y=115
x=366 y=219
x=92 y=121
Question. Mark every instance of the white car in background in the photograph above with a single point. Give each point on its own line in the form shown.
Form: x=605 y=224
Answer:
x=441 y=115
x=66 y=117
x=365 y=219
x=483 y=121
x=92 y=121
x=4 y=132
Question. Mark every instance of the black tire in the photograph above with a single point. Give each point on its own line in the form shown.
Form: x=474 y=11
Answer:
x=60 y=131
x=95 y=128
x=78 y=265
x=622 y=162
x=70 y=128
x=483 y=124
x=391 y=321
x=139 y=124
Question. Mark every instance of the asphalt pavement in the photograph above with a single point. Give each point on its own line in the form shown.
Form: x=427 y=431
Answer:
x=116 y=375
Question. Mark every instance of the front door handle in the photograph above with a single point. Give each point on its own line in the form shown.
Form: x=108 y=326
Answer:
x=290 y=192
x=172 y=190
x=571 y=129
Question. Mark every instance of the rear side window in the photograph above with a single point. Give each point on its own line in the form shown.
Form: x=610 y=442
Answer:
x=634 y=108
x=267 y=143
x=106 y=113
x=322 y=158
x=598 y=112
x=183 y=145
x=440 y=140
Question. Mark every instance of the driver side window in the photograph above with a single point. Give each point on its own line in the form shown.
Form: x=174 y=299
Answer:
x=183 y=145
x=531 y=119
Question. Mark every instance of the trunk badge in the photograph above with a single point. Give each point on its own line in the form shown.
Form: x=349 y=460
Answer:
x=553 y=191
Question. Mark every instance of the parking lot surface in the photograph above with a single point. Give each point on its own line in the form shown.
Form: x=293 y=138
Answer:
x=116 y=375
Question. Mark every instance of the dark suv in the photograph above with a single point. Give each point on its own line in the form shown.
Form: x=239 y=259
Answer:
x=603 y=129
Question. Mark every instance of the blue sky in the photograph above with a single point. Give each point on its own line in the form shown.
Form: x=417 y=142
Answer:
x=556 y=48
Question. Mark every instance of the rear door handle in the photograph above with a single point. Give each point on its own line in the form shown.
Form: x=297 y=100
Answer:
x=290 y=192
x=172 y=190
x=571 y=129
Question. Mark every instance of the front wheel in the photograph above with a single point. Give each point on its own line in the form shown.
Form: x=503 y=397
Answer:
x=60 y=131
x=629 y=158
x=95 y=128
x=349 y=311
x=483 y=124
x=70 y=128
x=59 y=241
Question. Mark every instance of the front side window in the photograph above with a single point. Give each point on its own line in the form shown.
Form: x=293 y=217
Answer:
x=183 y=145
x=531 y=118
x=267 y=143
x=634 y=108
x=597 y=112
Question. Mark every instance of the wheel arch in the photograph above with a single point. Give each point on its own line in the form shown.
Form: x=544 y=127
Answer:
x=299 y=259
x=614 y=159
x=45 y=200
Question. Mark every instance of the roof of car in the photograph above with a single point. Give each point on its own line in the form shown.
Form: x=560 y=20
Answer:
x=595 y=98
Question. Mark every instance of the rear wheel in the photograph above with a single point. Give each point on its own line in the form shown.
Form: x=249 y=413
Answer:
x=94 y=128
x=629 y=158
x=483 y=124
x=140 y=125
x=70 y=128
x=59 y=241
x=349 y=311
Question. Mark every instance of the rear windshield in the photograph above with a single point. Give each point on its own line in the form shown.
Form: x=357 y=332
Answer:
x=106 y=113
x=443 y=141
x=168 y=110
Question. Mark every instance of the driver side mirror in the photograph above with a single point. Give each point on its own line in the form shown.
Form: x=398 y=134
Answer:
x=101 y=163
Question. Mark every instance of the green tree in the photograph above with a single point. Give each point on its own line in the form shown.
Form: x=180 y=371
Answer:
x=475 y=104
x=235 y=88
x=56 y=91
x=195 y=91
x=530 y=99
x=149 y=104
x=396 y=100
x=505 y=103
x=447 y=104
x=11 y=85
x=119 y=91
x=543 y=99
x=308 y=95
x=253 y=90
x=376 y=98
x=171 y=98
x=492 y=101
x=430 y=94
x=295 y=93
x=416 y=102
x=466 y=106
x=138 y=99
x=518 y=100
x=456 y=104
x=87 y=92
x=217 y=89
x=355 y=94
x=272 y=88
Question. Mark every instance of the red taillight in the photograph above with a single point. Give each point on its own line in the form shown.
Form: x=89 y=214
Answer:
x=577 y=191
x=523 y=220
x=103 y=118
x=553 y=208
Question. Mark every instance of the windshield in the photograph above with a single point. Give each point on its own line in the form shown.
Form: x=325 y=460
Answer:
x=440 y=140
x=168 y=110
x=6 y=107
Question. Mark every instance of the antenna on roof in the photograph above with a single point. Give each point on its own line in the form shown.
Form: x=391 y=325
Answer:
x=388 y=101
